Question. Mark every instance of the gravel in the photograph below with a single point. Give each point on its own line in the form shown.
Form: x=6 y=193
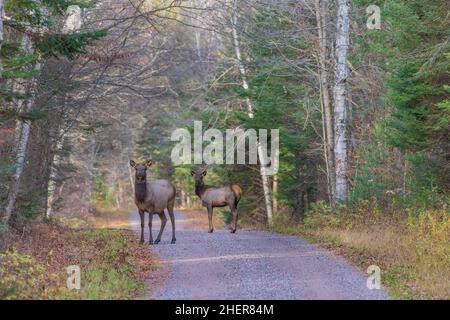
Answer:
x=250 y=265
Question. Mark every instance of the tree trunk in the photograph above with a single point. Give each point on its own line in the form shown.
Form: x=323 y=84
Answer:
x=321 y=8
x=250 y=109
x=183 y=198
x=275 y=190
x=51 y=188
x=2 y=14
x=21 y=149
x=56 y=159
x=130 y=176
x=340 y=100
x=188 y=201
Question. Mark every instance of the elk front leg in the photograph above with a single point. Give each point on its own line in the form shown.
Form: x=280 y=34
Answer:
x=150 y=220
x=210 y=214
x=163 y=218
x=142 y=215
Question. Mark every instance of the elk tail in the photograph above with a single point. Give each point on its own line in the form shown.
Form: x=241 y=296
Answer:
x=237 y=193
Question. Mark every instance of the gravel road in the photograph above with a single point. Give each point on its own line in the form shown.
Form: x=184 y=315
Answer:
x=249 y=265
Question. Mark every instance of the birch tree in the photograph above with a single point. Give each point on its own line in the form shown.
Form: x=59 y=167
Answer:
x=24 y=134
x=71 y=25
x=2 y=13
x=250 y=111
x=340 y=100
x=321 y=8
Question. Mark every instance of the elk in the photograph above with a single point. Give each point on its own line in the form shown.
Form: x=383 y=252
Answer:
x=153 y=197
x=213 y=197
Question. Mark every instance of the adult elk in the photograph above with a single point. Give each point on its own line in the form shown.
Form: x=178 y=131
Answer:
x=153 y=197
x=213 y=197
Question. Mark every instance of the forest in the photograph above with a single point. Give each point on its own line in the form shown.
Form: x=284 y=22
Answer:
x=359 y=91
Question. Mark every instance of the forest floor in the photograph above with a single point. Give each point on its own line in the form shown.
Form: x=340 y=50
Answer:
x=247 y=265
x=34 y=261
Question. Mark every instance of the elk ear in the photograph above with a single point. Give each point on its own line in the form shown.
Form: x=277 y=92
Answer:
x=149 y=163
x=132 y=163
x=204 y=173
x=192 y=173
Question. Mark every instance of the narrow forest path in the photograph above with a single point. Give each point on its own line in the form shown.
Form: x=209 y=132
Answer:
x=249 y=265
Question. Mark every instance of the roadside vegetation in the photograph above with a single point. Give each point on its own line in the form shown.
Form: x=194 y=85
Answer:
x=33 y=263
x=412 y=247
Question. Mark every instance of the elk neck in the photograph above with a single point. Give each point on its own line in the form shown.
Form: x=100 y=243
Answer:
x=199 y=188
x=140 y=190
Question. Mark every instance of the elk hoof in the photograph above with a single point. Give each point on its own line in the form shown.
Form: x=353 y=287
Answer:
x=233 y=231
x=173 y=241
x=141 y=241
x=150 y=242
x=157 y=241
x=210 y=230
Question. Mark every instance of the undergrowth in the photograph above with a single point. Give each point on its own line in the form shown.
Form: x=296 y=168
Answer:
x=411 y=246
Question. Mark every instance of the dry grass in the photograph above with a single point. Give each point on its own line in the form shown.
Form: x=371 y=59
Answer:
x=113 y=264
x=412 y=250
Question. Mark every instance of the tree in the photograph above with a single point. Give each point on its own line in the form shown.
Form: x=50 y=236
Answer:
x=31 y=22
x=321 y=8
x=340 y=99
x=2 y=14
x=250 y=110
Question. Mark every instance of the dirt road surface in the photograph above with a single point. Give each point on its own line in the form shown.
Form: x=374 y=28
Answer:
x=248 y=265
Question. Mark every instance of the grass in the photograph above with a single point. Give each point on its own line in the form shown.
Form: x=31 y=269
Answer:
x=33 y=263
x=412 y=247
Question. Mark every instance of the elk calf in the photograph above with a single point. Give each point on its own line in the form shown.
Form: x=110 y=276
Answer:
x=153 y=197
x=213 y=197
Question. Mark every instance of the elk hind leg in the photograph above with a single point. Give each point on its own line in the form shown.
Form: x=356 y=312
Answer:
x=210 y=214
x=172 y=221
x=163 y=218
x=150 y=221
x=234 y=212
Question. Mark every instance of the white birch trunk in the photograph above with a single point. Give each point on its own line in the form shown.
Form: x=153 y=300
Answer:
x=22 y=143
x=2 y=14
x=51 y=188
x=130 y=176
x=340 y=100
x=275 y=190
x=188 y=201
x=183 y=198
x=250 y=109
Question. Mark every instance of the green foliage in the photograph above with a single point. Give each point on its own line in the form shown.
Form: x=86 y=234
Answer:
x=417 y=85
x=404 y=162
x=31 y=202
x=114 y=275
x=108 y=269
x=410 y=246
x=21 y=276
x=277 y=92
x=109 y=284
x=42 y=14
x=103 y=193
x=68 y=45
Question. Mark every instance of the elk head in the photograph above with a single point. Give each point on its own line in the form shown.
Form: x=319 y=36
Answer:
x=198 y=176
x=141 y=170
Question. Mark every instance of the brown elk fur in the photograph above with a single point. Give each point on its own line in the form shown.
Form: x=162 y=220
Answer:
x=153 y=197
x=213 y=197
